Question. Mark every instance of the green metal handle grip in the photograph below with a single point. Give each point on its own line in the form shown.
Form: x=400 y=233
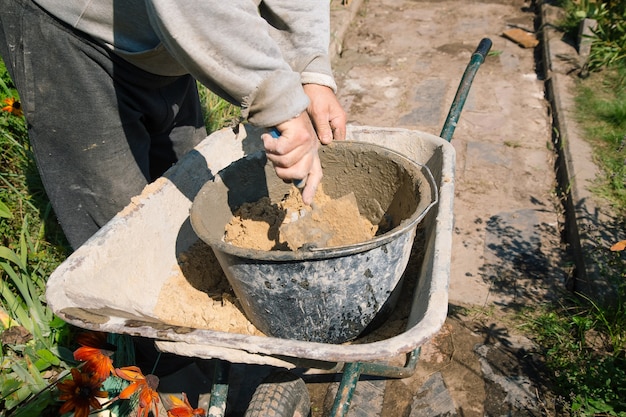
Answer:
x=478 y=57
x=483 y=48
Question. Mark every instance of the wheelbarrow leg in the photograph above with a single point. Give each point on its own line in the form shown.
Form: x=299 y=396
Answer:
x=219 y=390
x=351 y=374
x=353 y=371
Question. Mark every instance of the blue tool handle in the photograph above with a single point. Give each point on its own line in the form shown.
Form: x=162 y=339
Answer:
x=298 y=183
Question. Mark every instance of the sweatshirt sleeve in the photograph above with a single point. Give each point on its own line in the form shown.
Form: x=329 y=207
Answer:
x=255 y=57
x=302 y=31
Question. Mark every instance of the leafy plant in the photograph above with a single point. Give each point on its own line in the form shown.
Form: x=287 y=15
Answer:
x=33 y=356
x=4 y=211
x=609 y=36
x=35 y=344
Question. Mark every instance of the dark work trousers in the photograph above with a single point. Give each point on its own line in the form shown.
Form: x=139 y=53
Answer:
x=101 y=128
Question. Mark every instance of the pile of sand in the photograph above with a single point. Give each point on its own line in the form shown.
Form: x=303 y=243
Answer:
x=289 y=224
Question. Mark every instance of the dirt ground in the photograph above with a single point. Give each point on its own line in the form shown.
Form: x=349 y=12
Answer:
x=400 y=65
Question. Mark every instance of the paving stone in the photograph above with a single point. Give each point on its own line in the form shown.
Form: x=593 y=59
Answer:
x=367 y=400
x=428 y=97
x=508 y=386
x=433 y=399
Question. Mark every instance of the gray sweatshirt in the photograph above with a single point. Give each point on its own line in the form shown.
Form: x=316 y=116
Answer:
x=254 y=53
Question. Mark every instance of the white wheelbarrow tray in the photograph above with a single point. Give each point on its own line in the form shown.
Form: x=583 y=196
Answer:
x=113 y=281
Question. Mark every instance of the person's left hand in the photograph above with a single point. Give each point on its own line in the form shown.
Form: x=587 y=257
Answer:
x=294 y=154
x=326 y=113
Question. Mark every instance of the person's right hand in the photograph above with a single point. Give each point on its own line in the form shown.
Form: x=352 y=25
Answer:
x=326 y=113
x=295 y=154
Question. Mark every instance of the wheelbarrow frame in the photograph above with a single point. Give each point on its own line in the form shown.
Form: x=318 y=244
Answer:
x=72 y=289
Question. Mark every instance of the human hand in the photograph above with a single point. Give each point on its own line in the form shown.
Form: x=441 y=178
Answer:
x=327 y=115
x=294 y=154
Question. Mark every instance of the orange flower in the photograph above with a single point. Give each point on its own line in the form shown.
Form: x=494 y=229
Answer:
x=96 y=353
x=144 y=385
x=621 y=245
x=182 y=408
x=80 y=393
x=13 y=106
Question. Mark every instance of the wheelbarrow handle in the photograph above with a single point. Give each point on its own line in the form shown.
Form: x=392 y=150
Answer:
x=478 y=57
x=483 y=49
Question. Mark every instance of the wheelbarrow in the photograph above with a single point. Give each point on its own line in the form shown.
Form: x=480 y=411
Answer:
x=114 y=281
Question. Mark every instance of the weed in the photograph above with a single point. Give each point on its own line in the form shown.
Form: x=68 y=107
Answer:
x=587 y=368
x=512 y=144
x=585 y=344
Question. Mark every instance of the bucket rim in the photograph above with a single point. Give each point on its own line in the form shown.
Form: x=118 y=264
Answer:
x=310 y=253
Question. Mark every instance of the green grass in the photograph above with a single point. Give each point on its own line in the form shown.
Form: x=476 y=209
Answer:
x=601 y=111
x=584 y=348
x=218 y=113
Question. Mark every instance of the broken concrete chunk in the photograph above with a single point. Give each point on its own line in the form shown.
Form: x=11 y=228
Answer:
x=521 y=37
